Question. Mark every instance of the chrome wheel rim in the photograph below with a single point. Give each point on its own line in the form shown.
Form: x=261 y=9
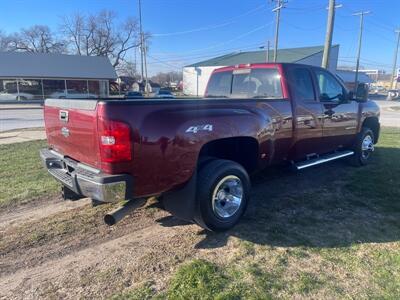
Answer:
x=227 y=196
x=367 y=146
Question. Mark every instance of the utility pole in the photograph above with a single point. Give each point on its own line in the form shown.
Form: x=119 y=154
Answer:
x=396 y=53
x=329 y=33
x=361 y=14
x=277 y=10
x=142 y=50
x=135 y=61
x=267 y=52
x=146 y=81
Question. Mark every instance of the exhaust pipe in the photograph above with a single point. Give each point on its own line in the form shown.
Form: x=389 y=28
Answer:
x=118 y=214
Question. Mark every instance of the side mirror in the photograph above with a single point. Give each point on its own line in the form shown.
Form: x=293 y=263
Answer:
x=362 y=92
x=350 y=95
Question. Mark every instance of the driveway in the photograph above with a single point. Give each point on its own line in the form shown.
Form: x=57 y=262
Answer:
x=390 y=113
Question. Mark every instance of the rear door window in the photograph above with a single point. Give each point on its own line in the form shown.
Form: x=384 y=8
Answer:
x=268 y=83
x=301 y=84
x=219 y=85
x=242 y=83
x=257 y=83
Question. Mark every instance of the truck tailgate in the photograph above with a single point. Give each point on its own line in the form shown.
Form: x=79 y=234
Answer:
x=71 y=128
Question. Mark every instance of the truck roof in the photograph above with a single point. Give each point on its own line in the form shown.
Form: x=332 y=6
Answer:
x=254 y=66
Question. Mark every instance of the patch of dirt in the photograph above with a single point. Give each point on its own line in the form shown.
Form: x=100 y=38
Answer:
x=37 y=210
x=64 y=250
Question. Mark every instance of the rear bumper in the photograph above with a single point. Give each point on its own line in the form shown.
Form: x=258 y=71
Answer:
x=87 y=181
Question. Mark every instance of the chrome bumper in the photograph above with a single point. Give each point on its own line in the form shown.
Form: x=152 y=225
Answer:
x=85 y=180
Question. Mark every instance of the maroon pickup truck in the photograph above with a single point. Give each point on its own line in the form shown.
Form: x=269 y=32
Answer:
x=195 y=155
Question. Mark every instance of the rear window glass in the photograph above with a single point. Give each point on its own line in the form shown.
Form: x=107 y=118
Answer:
x=258 y=83
x=219 y=85
x=246 y=83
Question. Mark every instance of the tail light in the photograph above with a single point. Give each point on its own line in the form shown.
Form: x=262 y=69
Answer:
x=115 y=141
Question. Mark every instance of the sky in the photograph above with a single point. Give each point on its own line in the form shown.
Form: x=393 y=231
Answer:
x=188 y=31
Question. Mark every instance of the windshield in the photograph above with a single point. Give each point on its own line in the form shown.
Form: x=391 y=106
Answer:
x=246 y=83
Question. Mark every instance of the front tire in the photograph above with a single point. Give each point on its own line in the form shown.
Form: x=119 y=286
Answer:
x=363 y=148
x=222 y=194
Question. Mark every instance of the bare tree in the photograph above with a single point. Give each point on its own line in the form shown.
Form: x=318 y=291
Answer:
x=127 y=68
x=36 y=39
x=101 y=35
x=165 y=79
x=3 y=41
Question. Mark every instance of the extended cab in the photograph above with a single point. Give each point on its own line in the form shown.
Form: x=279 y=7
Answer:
x=196 y=154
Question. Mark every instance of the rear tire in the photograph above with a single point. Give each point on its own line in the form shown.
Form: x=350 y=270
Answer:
x=363 y=148
x=222 y=194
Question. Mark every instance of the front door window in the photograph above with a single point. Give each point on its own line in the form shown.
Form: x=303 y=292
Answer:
x=330 y=90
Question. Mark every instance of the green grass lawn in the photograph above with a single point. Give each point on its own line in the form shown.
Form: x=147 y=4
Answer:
x=329 y=232
x=22 y=175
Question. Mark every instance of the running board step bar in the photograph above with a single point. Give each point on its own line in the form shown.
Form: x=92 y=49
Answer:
x=322 y=159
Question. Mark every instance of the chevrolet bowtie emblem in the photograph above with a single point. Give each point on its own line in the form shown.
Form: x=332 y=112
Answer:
x=65 y=131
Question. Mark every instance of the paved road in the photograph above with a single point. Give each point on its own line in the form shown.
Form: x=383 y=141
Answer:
x=390 y=113
x=20 y=118
x=11 y=118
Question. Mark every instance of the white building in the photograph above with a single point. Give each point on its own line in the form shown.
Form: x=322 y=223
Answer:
x=195 y=76
x=373 y=74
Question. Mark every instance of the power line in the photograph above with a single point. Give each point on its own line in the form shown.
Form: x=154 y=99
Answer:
x=231 y=40
x=165 y=63
x=369 y=61
x=381 y=26
x=219 y=53
x=377 y=65
x=210 y=27
x=307 y=9
x=208 y=53
x=301 y=28
x=380 y=35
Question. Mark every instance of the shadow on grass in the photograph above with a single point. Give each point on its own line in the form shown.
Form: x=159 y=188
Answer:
x=332 y=205
x=171 y=221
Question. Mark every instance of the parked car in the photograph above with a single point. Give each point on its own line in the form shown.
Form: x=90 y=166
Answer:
x=164 y=94
x=197 y=155
x=133 y=95
x=377 y=89
x=4 y=96
x=393 y=94
x=72 y=94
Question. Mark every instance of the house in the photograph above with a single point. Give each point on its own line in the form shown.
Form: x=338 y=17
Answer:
x=36 y=76
x=349 y=77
